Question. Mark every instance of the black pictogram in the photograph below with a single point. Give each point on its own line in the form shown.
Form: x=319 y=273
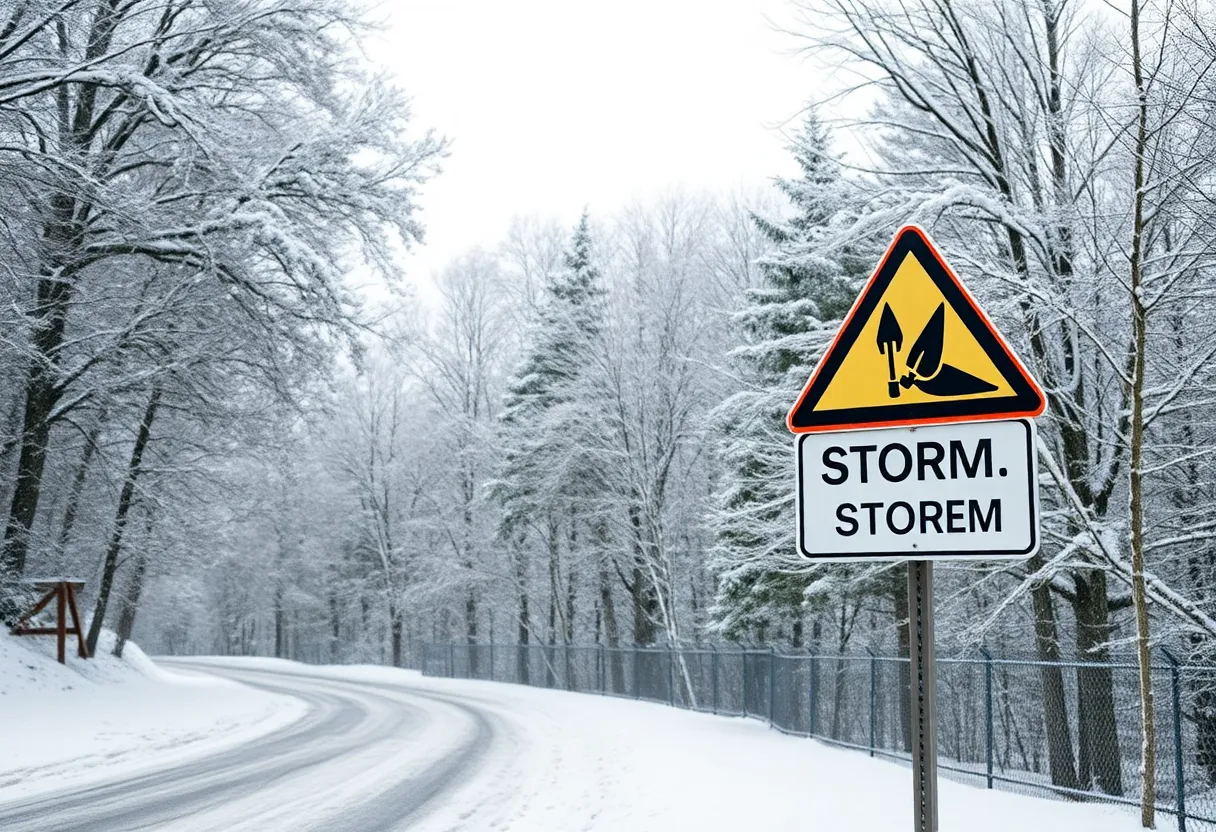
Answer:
x=925 y=368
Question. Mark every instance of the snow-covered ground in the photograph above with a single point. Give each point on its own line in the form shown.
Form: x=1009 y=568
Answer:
x=579 y=762
x=567 y=762
x=68 y=725
x=401 y=751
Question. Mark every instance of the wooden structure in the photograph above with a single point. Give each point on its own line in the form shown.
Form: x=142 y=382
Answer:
x=63 y=592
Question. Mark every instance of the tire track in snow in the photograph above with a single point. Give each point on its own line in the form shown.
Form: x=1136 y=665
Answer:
x=307 y=776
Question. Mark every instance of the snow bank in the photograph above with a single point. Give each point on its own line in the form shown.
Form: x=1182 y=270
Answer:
x=567 y=761
x=28 y=666
x=582 y=762
x=106 y=716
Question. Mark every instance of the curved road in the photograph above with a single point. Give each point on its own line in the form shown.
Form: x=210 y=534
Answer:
x=368 y=757
x=381 y=750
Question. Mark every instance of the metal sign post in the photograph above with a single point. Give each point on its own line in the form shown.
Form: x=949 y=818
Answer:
x=923 y=678
x=917 y=454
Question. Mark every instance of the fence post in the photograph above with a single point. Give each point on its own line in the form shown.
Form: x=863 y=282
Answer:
x=451 y=660
x=491 y=657
x=635 y=672
x=743 y=663
x=599 y=668
x=988 y=711
x=873 y=697
x=714 y=672
x=772 y=686
x=1179 y=772
x=671 y=676
x=813 y=689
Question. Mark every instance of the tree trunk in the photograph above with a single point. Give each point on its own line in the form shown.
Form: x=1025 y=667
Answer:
x=615 y=668
x=612 y=632
x=293 y=638
x=1055 y=705
x=395 y=633
x=468 y=491
x=645 y=604
x=280 y=625
x=1098 y=760
x=40 y=399
x=130 y=602
x=568 y=618
x=13 y=428
x=523 y=615
x=78 y=480
x=470 y=620
x=280 y=614
x=551 y=634
x=570 y=585
x=120 y=519
x=54 y=294
x=335 y=626
x=1148 y=745
x=641 y=589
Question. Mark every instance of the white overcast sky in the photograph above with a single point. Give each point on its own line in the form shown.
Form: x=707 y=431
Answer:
x=556 y=104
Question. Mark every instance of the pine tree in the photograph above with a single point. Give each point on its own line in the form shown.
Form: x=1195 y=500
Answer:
x=784 y=326
x=569 y=319
x=542 y=473
x=568 y=323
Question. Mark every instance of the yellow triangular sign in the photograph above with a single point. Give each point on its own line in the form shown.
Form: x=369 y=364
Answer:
x=914 y=349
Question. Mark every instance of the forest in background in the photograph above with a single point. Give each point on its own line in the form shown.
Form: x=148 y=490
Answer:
x=582 y=440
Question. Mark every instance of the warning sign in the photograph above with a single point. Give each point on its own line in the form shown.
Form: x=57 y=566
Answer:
x=914 y=349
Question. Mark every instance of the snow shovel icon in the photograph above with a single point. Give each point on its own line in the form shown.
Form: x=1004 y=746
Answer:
x=924 y=361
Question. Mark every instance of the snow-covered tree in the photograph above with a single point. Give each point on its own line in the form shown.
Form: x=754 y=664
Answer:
x=542 y=465
x=461 y=370
x=784 y=325
x=237 y=143
x=654 y=386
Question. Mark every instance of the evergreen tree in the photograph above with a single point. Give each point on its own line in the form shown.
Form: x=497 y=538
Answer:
x=784 y=326
x=543 y=474
x=569 y=320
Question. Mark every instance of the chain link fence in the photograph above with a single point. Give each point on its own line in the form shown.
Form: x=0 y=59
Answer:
x=1069 y=730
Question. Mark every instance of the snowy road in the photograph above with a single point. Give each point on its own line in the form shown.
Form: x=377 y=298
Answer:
x=366 y=757
x=383 y=749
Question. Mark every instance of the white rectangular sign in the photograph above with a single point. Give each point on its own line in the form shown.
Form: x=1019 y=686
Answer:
x=960 y=490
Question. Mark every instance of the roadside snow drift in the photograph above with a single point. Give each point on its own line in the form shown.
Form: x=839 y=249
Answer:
x=67 y=725
x=581 y=762
x=403 y=752
x=565 y=762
